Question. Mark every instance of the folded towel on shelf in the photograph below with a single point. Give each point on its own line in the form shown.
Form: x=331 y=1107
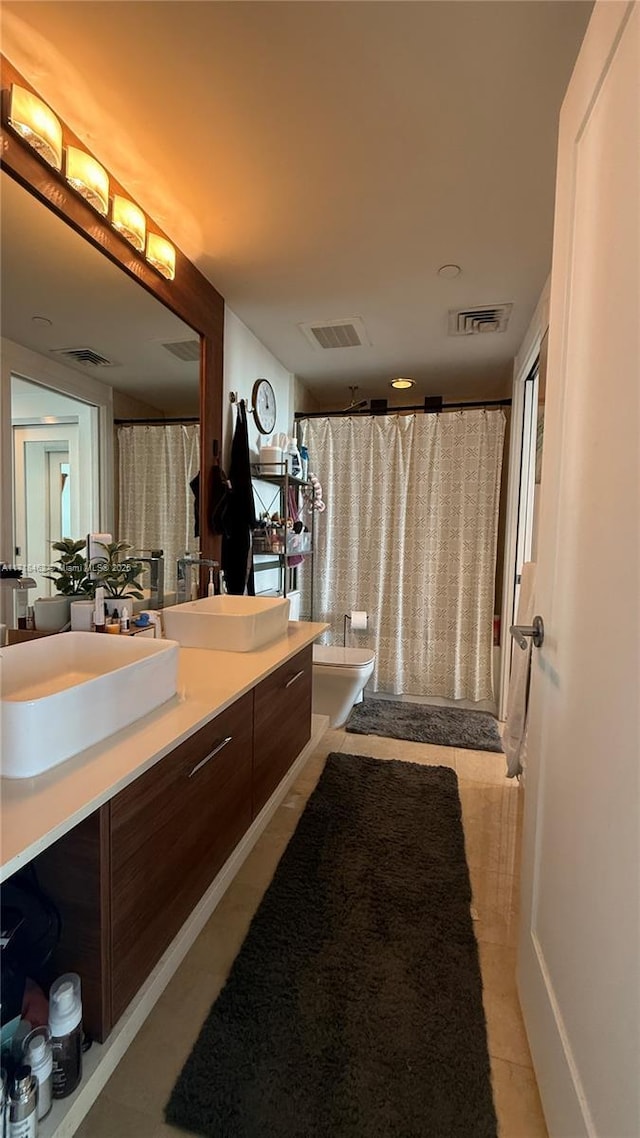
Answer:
x=515 y=730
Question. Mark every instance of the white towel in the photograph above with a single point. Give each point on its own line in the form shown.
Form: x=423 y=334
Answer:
x=518 y=697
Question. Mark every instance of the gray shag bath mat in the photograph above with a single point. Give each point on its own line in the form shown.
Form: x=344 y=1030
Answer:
x=443 y=726
x=354 y=1007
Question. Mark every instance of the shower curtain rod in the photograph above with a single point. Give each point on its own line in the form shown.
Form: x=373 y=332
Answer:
x=153 y=422
x=394 y=410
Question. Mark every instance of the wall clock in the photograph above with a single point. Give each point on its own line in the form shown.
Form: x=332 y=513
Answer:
x=263 y=405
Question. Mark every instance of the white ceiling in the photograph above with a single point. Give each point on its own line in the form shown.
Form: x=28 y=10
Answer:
x=322 y=160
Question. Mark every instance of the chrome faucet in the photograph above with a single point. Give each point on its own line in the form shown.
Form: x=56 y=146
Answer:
x=184 y=568
x=155 y=561
x=18 y=582
x=10 y=578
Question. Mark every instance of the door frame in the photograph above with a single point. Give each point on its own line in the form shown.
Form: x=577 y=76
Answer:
x=22 y=363
x=522 y=368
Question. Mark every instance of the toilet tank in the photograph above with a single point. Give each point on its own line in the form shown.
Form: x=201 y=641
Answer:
x=293 y=598
x=294 y=604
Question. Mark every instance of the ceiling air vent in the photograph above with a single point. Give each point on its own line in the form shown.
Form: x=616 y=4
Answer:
x=85 y=356
x=187 y=350
x=476 y=321
x=349 y=332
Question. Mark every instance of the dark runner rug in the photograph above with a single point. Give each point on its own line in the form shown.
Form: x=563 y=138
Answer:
x=354 y=1007
x=444 y=726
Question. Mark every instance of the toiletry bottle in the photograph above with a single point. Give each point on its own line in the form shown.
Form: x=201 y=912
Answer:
x=38 y=1055
x=22 y=598
x=98 y=611
x=210 y=587
x=124 y=619
x=65 y=1024
x=30 y=622
x=23 y=1102
x=304 y=458
x=294 y=460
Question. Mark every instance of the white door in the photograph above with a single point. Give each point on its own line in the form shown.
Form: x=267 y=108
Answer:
x=49 y=495
x=579 y=953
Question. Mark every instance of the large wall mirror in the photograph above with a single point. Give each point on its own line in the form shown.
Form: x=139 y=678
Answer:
x=85 y=323
x=115 y=381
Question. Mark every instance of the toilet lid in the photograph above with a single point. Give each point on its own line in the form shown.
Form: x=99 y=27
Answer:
x=342 y=657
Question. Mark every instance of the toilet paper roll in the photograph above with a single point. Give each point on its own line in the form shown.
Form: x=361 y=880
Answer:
x=358 y=620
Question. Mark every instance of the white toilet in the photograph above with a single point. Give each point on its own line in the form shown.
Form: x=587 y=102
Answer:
x=339 y=678
x=339 y=674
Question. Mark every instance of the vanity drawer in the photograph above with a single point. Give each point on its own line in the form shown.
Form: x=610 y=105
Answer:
x=282 y=724
x=171 y=831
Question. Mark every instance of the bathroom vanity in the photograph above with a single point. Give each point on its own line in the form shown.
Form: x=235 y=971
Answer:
x=133 y=835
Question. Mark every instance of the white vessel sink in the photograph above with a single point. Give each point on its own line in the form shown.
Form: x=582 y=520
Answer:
x=231 y=624
x=63 y=693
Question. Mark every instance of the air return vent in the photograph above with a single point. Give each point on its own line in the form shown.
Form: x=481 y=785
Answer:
x=85 y=356
x=476 y=321
x=187 y=350
x=349 y=332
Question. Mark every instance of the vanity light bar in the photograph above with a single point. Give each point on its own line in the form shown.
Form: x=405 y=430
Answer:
x=36 y=124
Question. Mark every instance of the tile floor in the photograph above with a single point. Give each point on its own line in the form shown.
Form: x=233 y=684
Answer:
x=131 y=1105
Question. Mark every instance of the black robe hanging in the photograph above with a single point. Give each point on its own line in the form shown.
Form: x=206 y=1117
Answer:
x=240 y=520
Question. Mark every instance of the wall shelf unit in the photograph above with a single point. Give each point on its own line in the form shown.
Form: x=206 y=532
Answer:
x=277 y=544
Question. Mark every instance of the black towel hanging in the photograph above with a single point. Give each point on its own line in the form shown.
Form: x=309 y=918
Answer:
x=237 y=554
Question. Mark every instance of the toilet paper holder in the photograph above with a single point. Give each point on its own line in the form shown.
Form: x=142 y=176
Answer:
x=354 y=618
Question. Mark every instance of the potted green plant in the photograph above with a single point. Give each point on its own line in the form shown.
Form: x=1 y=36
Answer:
x=70 y=574
x=119 y=574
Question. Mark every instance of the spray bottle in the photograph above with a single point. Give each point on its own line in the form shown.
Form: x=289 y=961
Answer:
x=65 y=1024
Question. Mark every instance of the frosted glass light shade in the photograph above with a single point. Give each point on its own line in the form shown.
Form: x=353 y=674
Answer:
x=88 y=178
x=36 y=124
x=162 y=255
x=402 y=384
x=129 y=220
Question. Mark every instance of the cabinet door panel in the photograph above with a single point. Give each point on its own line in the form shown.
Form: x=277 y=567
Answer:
x=171 y=831
x=282 y=724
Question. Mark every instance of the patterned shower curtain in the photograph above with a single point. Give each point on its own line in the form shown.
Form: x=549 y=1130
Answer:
x=409 y=535
x=156 y=504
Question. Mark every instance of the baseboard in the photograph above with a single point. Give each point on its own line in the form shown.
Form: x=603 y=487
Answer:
x=563 y=1100
x=101 y=1060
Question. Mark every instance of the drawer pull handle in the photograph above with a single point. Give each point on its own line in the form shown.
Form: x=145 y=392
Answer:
x=294 y=678
x=211 y=755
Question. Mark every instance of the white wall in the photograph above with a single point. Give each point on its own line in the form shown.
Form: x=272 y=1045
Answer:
x=245 y=360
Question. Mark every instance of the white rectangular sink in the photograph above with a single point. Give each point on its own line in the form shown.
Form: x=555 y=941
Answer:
x=231 y=624
x=61 y=694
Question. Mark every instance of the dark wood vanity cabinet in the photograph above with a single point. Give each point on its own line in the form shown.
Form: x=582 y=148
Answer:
x=171 y=831
x=127 y=878
x=282 y=724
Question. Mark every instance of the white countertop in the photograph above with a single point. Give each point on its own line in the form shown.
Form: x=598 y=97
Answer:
x=37 y=811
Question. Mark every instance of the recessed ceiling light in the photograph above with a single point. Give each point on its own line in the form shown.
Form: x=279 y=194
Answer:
x=44 y=321
x=449 y=271
x=402 y=384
